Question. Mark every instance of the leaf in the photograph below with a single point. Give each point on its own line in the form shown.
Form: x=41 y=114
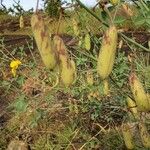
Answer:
x=36 y=116
x=119 y=20
x=20 y=105
x=138 y=21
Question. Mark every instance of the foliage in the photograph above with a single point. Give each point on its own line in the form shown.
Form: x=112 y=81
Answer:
x=53 y=8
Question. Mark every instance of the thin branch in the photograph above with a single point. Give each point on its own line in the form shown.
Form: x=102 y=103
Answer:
x=37 y=5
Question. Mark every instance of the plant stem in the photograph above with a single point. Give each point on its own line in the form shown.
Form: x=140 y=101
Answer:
x=144 y=5
x=37 y=5
x=135 y=43
x=93 y=14
x=92 y=57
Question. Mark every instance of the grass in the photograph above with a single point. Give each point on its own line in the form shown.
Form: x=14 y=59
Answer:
x=77 y=118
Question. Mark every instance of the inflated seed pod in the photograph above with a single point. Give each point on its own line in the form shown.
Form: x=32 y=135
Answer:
x=43 y=41
x=139 y=94
x=68 y=73
x=87 y=42
x=145 y=136
x=106 y=87
x=107 y=52
x=89 y=77
x=67 y=66
x=21 y=22
x=148 y=96
x=76 y=29
x=17 y=145
x=132 y=107
x=114 y=2
x=80 y=43
x=127 y=136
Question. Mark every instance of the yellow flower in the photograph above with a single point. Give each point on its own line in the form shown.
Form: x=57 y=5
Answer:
x=14 y=65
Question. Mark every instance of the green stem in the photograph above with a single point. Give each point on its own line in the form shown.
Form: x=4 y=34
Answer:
x=135 y=43
x=144 y=5
x=93 y=14
x=105 y=24
x=92 y=57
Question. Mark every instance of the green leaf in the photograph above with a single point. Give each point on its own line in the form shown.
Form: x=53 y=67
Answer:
x=20 y=105
x=139 y=20
x=119 y=20
x=35 y=117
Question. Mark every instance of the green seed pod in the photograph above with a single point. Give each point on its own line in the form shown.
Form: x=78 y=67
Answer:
x=76 y=27
x=87 y=42
x=106 y=87
x=145 y=137
x=114 y=2
x=68 y=73
x=90 y=78
x=132 y=107
x=127 y=136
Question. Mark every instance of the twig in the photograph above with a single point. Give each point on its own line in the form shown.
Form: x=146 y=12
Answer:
x=37 y=5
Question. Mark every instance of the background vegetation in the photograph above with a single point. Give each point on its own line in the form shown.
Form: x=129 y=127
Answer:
x=37 y=109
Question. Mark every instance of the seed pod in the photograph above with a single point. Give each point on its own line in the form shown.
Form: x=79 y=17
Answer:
x=80 y=43
x=21 y=22
x=87 y=42
x=67 y=66
x=107 y=53
x=148 y=96
x=132 y=107
x=89 y=76
x=138 y=93
x=17 y=145
x=43 y=41
x=75 y=27
x=114 y=2
x=106 y=87
x=149 y=44
x=145 y=137
x=68 y=73
x=127 y=136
